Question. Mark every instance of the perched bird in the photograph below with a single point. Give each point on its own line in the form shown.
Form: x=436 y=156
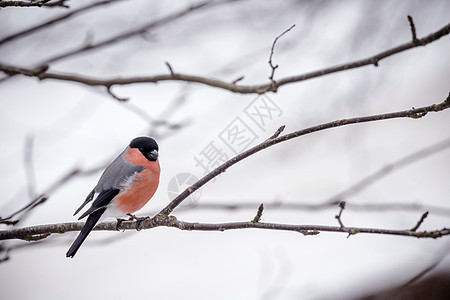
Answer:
x=125 y=186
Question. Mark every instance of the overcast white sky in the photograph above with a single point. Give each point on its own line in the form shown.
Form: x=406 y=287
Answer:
x=77 y=126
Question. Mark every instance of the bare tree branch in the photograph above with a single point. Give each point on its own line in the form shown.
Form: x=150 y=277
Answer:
x=412 y=113
x=53 y=21
x=33 y=233
x=230 y=86
x=133 y=32
x=39 y=3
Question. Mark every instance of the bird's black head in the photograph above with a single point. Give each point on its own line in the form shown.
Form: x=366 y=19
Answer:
x=147 y=146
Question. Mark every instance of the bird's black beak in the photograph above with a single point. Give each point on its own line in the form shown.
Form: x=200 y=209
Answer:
x=153 y=155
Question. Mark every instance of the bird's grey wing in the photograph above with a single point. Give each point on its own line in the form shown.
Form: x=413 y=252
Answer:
x=102 y=200
x=117 y=174
x=88 y=199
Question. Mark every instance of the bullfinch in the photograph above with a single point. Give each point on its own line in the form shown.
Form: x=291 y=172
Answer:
x=125 y=186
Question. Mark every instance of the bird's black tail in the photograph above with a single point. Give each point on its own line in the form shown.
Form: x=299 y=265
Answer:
x=90 y=223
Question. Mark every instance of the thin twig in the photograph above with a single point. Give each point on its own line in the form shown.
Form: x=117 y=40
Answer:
x=413 y=29
x=271 y=53
x=237 y=79
x=277 y=133
x=236 y=88
x=120 y=99
x=53 y=21
x=338 y=216
x=170 y=68
x=420 y=222
x=258 y=216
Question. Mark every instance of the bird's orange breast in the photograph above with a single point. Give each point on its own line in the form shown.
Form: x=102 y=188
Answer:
x=144 y=186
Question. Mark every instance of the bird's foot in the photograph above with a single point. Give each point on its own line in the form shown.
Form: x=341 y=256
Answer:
x=138 y=220
x=119 y=222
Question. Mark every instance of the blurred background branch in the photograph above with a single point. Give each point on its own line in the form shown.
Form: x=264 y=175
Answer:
x=230 y=86
x=51 y=22
x=34 y=3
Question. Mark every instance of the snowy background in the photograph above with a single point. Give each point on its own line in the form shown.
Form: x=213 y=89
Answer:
x=74 y=126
